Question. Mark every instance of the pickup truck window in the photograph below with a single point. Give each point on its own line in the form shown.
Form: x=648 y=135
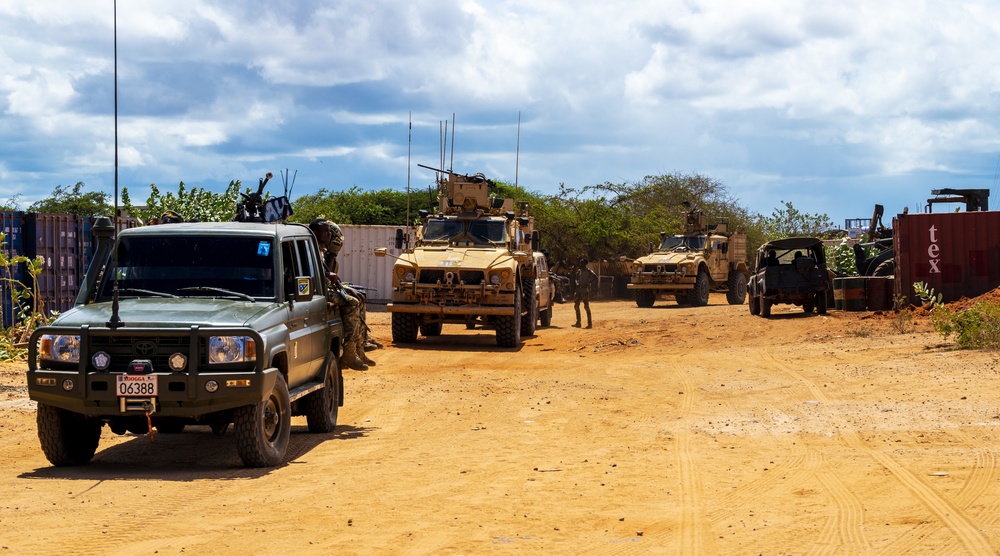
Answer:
x=180 y=265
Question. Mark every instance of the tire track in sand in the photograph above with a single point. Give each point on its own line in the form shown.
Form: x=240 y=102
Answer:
x=947 y=512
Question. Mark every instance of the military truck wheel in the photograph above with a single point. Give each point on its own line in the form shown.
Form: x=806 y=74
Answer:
x=807 y=306
x=528 y=299
x=681 y=298
x=644 y=298
x=323 y=405
x=431 y=329
x=754 y=306
x=67 y=438
x=765 y=307
x=509 y=327
x=545 y=316
x=404 y=328
x=698 y=297
x=737 y=293
x=262 y=429
x=821 y=303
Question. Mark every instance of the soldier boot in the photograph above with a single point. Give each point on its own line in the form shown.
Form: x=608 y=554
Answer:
x=361 y=353
x=350 y=357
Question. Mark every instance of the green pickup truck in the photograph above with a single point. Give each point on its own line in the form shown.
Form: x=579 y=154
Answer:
x=192 y=323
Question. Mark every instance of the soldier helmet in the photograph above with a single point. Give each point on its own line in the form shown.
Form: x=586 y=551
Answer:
x=336 y=237
x=171 y=217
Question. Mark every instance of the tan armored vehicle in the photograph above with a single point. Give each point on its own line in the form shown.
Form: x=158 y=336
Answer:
x=703 y=259
x=472 y=263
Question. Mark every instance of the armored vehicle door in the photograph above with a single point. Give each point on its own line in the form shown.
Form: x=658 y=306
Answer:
x=308 y=333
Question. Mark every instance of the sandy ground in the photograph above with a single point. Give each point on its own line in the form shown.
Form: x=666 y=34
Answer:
x=667 y=430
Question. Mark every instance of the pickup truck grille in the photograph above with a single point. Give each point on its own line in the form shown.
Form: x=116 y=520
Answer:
x=123 y=349
x=469 y=277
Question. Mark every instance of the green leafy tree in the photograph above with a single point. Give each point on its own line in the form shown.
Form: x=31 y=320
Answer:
x=73 y=201
x=197 y=203
x=384 y=207
x=12 y=204
x=788 y=221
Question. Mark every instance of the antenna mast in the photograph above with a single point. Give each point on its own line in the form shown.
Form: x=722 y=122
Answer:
x=517 y=153
x=409 y=146
x=115 y=321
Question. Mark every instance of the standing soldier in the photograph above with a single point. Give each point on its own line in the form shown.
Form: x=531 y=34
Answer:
x=585 y=280
x=331 y=239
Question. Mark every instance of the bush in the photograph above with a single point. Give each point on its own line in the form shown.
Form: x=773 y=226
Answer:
x=977 y=327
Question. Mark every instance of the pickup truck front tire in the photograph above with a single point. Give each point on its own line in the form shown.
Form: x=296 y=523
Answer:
x=263 y=429
x=67 y=438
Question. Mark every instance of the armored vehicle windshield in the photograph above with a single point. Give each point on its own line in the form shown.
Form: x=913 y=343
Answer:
x=693 y=243
x=482 y=231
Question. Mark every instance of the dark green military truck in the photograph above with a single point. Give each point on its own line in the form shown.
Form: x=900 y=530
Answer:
x=214 y=323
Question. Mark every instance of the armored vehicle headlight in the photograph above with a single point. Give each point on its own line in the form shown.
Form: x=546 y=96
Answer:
x=65 y=349
x=495 y=279
x=409 y=276
x=231 y=349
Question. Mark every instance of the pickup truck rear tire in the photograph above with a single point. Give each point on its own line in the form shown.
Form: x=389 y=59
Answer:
x=545 y=316
x=644 y=298
x=67 y=438
x=322 y=406
x=262 y=429
x=821 y=303
x=754 y=305
x=765 y=307
x=404 y=328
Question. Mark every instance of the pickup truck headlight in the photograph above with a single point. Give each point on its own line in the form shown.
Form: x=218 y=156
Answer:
x=231 y=349
x=65 y=349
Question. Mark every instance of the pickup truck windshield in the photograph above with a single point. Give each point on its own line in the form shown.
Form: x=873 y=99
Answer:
x=191 y=266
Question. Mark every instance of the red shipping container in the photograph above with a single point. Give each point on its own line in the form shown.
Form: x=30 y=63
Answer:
x=956 y=253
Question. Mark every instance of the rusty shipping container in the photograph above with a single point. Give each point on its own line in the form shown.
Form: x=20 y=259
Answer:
x=54 y=237
x=956 y=253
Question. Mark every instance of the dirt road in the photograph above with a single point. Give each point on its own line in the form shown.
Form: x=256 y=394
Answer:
x=667 y=430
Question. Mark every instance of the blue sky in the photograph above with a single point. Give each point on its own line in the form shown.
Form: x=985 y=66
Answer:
x=833 y=106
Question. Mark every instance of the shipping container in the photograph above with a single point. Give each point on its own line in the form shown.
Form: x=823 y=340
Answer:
x=55 y=238
x=13 y=282
x=359 y=265
x=956 y=253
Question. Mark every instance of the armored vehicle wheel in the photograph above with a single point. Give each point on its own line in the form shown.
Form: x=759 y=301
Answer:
x=404 y=328
x=754 y=305
x=698 y=297
x=807 y=306
x=528 y=302
x=821 y=303
x=765 y=307
x=509 y=327
x=431 y=329
x=681 y=298
x=644 y=298
x=262 y=429
x=323 y=405
x=737 y=293
x=67 y=438
x=545 y=316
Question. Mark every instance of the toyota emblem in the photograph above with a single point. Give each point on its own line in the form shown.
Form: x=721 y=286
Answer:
x=144 y=348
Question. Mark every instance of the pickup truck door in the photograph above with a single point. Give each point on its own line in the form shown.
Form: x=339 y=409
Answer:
x=308 y=332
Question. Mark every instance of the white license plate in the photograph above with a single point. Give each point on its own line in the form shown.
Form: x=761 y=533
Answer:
x=139 y=386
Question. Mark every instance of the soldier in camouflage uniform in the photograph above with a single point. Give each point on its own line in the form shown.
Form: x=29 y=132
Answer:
x=331 y=240
x=585 y=280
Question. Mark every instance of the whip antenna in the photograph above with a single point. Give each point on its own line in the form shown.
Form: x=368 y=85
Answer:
x=115 y=321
